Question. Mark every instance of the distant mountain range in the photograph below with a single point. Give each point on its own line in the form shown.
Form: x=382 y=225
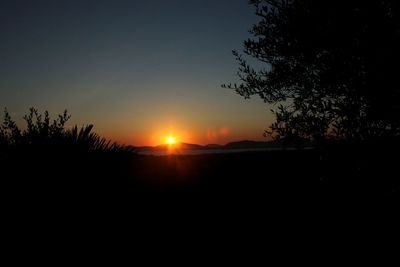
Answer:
x=245 y=144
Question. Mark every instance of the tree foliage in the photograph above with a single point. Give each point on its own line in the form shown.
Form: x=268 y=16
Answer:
x=329 y=68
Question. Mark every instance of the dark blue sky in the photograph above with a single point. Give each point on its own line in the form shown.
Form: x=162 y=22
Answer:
x=136 y=69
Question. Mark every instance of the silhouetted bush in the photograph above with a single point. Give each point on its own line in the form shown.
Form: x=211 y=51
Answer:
x=41 y=133
x=50 y=164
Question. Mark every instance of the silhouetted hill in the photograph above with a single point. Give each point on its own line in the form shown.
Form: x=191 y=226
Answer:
x=190 y=146
x=182 y=146
x=244 y=144
x=247 y=144
x=213 y=146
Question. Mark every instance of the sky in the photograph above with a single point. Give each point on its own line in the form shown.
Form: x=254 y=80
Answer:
x=138 y=70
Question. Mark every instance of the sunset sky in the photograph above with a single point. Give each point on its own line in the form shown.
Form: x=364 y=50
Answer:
x=138 y=70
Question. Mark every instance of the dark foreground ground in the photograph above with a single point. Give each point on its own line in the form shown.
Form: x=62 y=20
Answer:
x=254 y=179
x=99 y=196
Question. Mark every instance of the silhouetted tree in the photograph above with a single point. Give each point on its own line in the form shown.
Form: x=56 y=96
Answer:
x=329 y=67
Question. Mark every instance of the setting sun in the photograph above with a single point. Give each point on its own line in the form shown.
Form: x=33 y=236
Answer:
x=170 y=140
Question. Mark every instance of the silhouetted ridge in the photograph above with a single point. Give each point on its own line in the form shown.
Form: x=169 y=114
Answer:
x=247 y=144
x=237 y=145
x=190 y=146
x=213 y=146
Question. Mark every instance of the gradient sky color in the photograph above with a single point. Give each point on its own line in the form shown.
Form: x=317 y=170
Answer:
x=137 y=70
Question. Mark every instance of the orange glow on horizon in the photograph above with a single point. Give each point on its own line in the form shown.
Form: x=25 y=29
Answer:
x=173 y=135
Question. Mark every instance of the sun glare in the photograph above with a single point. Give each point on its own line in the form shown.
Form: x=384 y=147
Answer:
x=170 y=140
